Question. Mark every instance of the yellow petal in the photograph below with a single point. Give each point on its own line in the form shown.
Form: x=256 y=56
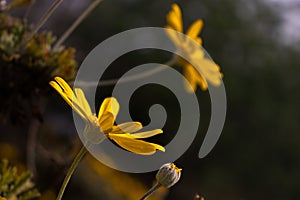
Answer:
x=202 y=83
x=106 y=122
x=174 y=36
x=195 y=29
x=146 y=134
x=198 y=40
x=56 y=87
x=75 y=107
x=193 y=48
x=127 y=127
x=198 y=79
x=111 y=105
x=134 y=145
x=197 y=54
x=209 y=71
x=83 y=102
x=65 y=86
x=67 y=90
x=174 y=18
x=176 y=10
x=190 y=74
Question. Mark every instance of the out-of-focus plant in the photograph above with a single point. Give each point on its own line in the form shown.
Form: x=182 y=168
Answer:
x=26 y=68
x=116 y=188
x=14 y=186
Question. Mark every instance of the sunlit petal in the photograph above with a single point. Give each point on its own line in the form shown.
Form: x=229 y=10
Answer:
x=190 y=74
x=82 y=101
x=198 y=40
x=111 y=105
x=174 y=36
x=75 y=107
x=69 y=93
x=195 y=29
x=174 y=18
x=202 y=83
x=210 y=71
x=197 y=54
x=134 y=145
x=106 y=121
x=176 y=10
x=65 y=86
x=147 y=134
x=127 y=127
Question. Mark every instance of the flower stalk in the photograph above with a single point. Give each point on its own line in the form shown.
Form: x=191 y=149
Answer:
x=151 y=191
x=130 y=78
x=28 y=10
x=68 y=32
x=167 y=176
x=41 y=22
x=71 y=170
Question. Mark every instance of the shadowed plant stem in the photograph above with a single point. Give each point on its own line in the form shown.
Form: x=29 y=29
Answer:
x=28 y=10
x=129 y=78
x=31 y=144
x=37 y=108
x=41 y=22
x=85 y=13
x=153 y=189
x=71 y=170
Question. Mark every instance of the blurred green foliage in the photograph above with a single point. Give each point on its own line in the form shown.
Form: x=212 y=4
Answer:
x=14 y=186
x=26 y=69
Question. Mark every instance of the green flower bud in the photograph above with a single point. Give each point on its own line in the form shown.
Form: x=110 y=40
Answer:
x=168 y=175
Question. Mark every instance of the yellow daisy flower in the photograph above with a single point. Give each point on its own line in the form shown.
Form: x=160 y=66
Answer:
x=209 y=71
x=102 y=126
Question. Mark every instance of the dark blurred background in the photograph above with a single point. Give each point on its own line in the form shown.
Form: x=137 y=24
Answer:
x=256 y=43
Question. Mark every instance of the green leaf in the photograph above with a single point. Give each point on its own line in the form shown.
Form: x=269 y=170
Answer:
x=12 y=185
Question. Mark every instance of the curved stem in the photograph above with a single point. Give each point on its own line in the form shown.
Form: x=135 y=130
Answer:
x=28 y=9
x=85 y=13
x=41 y=22
x=37 y=108
x=71 y=170
x=128 y=78
x=31 y=144
x=153 y=189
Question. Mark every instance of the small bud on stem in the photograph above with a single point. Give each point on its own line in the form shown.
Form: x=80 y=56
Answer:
x=167 y=176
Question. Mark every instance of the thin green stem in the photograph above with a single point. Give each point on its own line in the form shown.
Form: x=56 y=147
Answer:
x=128 y=78
x=68 y=32
x=31 y=144
x=153 y=189
x=37 y=108
x=28 y=10
x=71 y=170
x=41 y=22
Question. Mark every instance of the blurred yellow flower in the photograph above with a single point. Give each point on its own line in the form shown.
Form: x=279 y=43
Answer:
x=102 y=126
x=205 y=70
